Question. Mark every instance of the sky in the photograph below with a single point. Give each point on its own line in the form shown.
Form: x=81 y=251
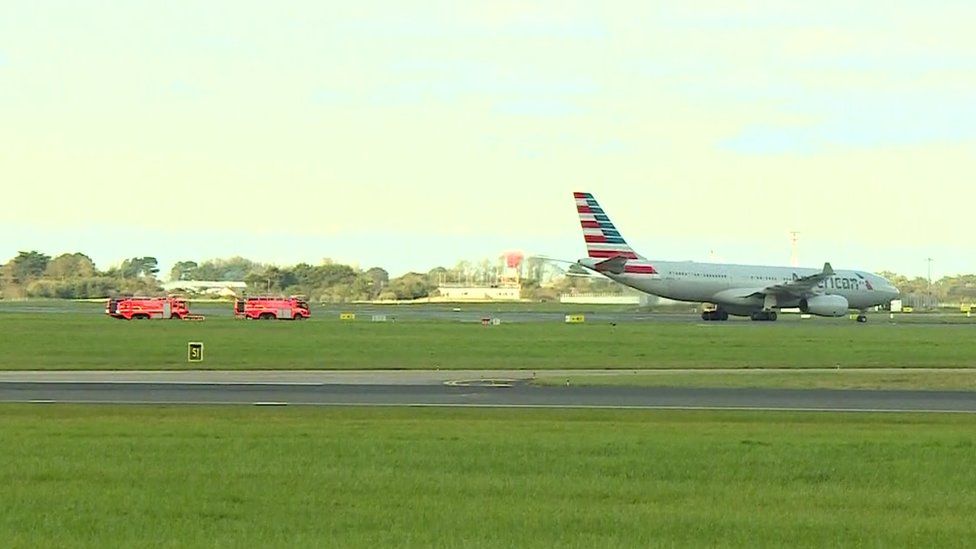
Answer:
x=415 y=134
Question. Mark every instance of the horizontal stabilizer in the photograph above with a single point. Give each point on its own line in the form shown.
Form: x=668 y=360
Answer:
x=551 y=259
x=614 y=265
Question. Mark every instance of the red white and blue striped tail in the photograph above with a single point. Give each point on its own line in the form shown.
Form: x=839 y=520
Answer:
x=603 y=240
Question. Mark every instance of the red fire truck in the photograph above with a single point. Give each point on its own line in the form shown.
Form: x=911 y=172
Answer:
x=140 y=308
x=270 y=308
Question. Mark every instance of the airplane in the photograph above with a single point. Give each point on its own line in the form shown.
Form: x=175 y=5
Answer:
x=742 y=290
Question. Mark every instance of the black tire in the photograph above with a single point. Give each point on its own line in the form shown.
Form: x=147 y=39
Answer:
x=706 y=317
x=299 y=317
x=771 y=316
x=140 y=317
x=724 y=316
x=266 y=316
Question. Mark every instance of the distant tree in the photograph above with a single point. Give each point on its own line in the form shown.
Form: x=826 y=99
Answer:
x=139 y=266
x=917 y=285
x=437 y=276
x=334 y=273
x=957 y=289
x=183 y=270
x=486 y=272
x=378 y=276
x=462 y=271
x=363 y=288
x=70 y=266
x=42 y=288
x=409 y=286
x=27 y=266
x=271 y=279
x=534 y=268
x=305 y=273
x=233 y=269
x=236 y=268
x=140 y=285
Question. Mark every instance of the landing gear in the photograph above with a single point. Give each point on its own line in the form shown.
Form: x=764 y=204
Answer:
x=763 y=316
x=862 y=318
x=715 y=315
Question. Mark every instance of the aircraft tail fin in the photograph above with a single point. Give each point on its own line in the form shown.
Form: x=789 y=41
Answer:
x=603 y=241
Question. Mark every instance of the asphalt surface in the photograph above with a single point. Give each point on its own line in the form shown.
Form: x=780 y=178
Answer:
x=395 y=377
x=478 y=393
x=506 y=313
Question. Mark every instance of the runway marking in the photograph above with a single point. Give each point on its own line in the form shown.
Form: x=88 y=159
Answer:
x=526 y=406
x=171 y=382
x=482 y=382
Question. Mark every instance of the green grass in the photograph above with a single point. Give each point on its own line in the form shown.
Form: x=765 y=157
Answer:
x=72 y=339
x=962 y=380
x=98 y=476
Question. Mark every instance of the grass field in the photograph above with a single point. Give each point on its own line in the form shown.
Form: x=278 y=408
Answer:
x=79 y=338
x=959 y=380
x=101 y=476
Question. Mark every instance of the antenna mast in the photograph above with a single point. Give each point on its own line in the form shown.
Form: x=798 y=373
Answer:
x=795 y=255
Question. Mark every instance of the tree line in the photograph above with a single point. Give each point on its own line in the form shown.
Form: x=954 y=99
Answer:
x=75 y=276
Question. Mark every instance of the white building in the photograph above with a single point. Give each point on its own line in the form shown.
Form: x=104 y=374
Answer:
x=460 y=292
x=223 y=288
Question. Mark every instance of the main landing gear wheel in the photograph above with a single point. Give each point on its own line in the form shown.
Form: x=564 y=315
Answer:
x=862 y=318
x=764 y=316
x=714 y=315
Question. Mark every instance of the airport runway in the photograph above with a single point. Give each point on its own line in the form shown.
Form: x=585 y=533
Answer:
x=390 y=377
x=482 y=394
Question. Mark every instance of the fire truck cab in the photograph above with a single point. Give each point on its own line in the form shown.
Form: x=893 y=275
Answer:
x=271 y=308
x=144 y=308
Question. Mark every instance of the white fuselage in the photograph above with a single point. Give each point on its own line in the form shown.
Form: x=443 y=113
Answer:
x=738 y=288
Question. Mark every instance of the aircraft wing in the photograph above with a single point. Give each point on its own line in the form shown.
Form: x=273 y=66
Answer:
x=800 y=287
x=804 y=286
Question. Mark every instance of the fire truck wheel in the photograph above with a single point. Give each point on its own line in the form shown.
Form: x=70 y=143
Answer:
x=266 y=316
x=140 y=317
x=299 y=317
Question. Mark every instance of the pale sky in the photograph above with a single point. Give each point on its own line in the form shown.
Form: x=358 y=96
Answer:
x=415 y=134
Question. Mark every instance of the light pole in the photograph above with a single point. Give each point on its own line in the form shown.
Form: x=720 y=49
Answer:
x=794 y=256
x=929 y=276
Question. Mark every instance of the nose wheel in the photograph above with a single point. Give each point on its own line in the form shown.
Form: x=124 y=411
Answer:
x=862 y=318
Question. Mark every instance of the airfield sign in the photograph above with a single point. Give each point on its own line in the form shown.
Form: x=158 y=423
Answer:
x=194 y=351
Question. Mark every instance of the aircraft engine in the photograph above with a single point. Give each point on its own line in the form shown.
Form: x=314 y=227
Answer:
x=825 y=305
